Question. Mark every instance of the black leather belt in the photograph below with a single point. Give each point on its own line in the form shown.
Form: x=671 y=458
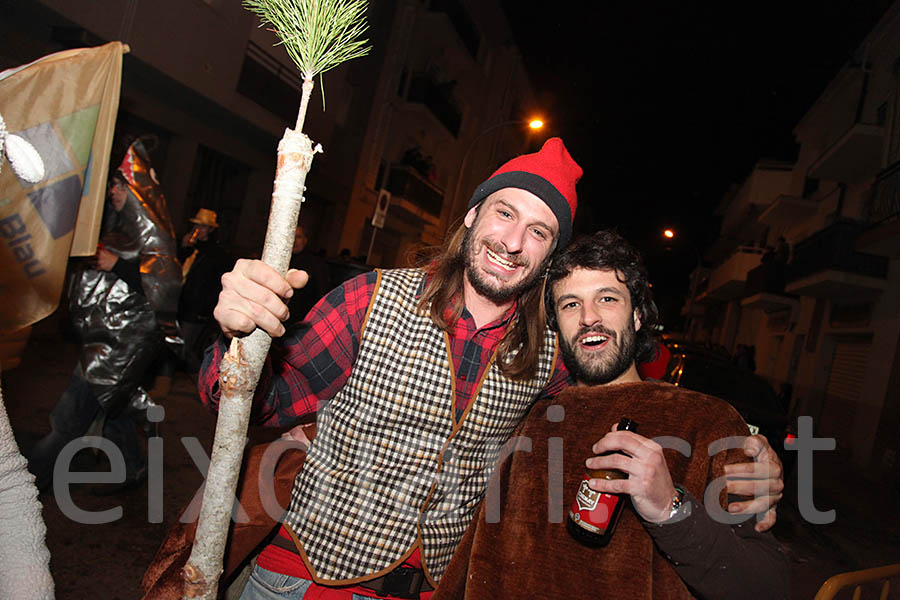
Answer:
x=402 y=582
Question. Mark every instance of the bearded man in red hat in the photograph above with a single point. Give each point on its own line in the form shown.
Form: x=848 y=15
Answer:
x=418 y=378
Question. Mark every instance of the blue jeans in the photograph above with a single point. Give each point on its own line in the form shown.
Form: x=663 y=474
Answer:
x=267 y=585
x=70 y=419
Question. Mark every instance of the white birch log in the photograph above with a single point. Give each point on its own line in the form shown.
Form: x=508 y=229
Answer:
x=239 y=373
x=24 y=558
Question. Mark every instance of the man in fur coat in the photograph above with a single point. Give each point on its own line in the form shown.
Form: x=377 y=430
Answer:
x=673 y=539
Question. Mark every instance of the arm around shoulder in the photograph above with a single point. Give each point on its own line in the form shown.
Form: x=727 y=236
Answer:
x=720 y=560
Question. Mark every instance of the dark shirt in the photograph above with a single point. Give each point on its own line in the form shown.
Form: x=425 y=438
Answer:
x=200 y=290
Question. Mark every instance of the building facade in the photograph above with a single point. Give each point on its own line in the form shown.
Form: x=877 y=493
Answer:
x=809 y=266
x=216 y=93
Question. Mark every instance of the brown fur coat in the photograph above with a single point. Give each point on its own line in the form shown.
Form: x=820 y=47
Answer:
x=524 y=555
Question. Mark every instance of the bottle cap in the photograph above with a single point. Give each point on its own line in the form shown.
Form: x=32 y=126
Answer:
x=627 y=424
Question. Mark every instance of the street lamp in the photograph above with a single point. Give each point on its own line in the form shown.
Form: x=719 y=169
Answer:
x=670 y=234
x=533 y=123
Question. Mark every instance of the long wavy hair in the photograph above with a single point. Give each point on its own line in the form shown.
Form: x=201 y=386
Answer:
x=442 y=300
x=606 y=250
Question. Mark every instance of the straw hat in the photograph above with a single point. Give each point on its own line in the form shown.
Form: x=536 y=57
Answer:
x=205 y=216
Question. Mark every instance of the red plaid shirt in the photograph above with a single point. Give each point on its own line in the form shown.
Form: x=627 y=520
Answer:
x=313 y=360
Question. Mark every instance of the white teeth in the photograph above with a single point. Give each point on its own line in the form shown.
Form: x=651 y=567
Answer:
x=591 y=339
x=500 y=261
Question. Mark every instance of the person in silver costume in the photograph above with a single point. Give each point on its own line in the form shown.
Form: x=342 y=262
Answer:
x=122 y=306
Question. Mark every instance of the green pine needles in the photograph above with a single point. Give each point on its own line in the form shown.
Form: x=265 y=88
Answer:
x=317 y=34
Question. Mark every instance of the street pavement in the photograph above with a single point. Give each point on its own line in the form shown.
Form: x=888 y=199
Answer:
x=108 y=560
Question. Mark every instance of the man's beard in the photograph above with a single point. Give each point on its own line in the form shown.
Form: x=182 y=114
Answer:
x=484 y=284
x=598 y=370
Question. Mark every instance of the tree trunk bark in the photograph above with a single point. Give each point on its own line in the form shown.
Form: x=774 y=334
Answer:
x=239 y=373
x=24 y=558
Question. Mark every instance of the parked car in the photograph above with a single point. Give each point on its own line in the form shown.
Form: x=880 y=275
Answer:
x=747 y=392
x=678 y=345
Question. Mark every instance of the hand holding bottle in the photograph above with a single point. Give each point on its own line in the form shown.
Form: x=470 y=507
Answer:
x=649 y=483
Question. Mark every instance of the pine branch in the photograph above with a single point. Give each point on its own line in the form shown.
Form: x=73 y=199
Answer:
x=317 y=34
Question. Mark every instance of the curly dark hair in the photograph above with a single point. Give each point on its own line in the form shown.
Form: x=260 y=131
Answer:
x=606 y=250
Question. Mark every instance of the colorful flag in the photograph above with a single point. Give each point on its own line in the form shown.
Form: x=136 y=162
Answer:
x=64 y=105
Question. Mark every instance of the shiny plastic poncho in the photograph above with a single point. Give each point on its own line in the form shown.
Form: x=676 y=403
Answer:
x=122 y=329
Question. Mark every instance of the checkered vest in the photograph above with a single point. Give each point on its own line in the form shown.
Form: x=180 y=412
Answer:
x=389 y=468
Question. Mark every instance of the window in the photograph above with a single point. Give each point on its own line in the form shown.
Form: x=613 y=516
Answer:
x=270 y=84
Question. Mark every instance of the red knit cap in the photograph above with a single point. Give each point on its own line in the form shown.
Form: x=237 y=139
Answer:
x=549 y=174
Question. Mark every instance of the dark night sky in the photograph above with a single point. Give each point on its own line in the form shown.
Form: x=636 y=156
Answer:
x=665 y=104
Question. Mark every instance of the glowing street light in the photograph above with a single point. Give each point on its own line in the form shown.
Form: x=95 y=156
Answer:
x=535 y=123
x=668 y=233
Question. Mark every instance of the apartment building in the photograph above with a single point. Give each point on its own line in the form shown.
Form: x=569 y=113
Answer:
x=808 y=271
x=216 y=92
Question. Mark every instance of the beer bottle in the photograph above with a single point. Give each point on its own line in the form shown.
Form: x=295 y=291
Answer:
x=593 y=516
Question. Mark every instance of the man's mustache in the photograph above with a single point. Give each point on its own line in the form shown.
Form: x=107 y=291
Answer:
x=597 y=329
x=499 y=250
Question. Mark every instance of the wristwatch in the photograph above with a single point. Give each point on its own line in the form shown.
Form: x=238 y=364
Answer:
x=678 y=506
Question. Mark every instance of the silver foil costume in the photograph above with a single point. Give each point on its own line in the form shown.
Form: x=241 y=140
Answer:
x=121 y=329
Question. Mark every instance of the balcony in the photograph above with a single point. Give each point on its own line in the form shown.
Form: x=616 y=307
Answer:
x=421 y=196
x=764 y=289
x=727 y=281
x=884 y=215
x=437 y=97
x=787 y=209
x=853 y=158
x=827 y=265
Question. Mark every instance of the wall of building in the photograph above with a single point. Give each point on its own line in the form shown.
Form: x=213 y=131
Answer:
x=797 y=344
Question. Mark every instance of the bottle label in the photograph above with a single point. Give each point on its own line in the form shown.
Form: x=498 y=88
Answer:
x=592 y=510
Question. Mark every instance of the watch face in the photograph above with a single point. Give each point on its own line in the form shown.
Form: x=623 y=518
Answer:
x=679 y=509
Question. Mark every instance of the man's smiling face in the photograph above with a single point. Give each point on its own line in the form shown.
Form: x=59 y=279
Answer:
x=597 y=325
x=510 y=238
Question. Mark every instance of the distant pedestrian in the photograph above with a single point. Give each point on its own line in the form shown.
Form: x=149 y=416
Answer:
x=203 y=262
